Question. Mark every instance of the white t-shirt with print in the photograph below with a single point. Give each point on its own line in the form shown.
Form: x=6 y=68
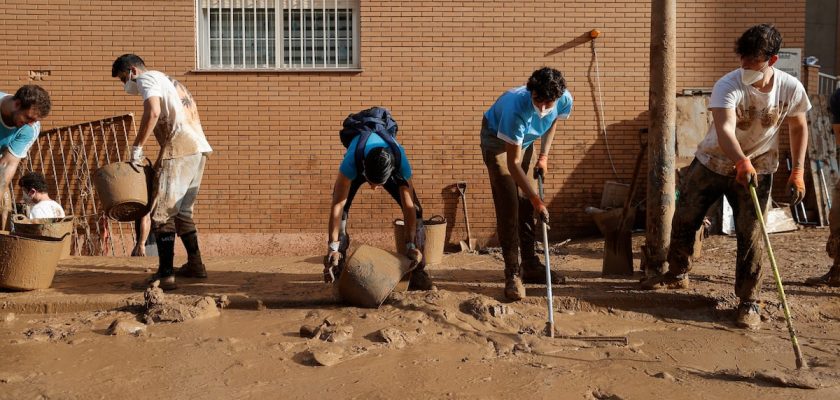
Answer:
x=759 y=117
x=178 y=130
x=46 y=209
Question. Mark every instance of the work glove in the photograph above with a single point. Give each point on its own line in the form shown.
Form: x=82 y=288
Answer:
x=413 y=253
x=745 y=173
x=136 y=156
x=540 y=210
x=542 y=166
x=796 y=183
x=331 y=261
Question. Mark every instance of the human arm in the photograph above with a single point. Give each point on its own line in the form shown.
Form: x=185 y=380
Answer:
x=798 y=128
x=541 y=167
x=341 y=189
x=514 y=161
x=409 y=209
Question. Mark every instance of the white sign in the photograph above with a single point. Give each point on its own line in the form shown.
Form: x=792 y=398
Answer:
x=790 y=61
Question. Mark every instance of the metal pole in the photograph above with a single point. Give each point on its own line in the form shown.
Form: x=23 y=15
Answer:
x=660 y=184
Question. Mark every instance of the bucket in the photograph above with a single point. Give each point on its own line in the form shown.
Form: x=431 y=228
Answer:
x=123 y=190
x=49 y=227
x=435 y=230
x=28 y=262
x=370 y=275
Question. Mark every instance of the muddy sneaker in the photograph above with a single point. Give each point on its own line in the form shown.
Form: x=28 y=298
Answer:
x=514 y=289
x=533 y=271
x=192 y=270
x=420 y=280
x=749 y=315
x=831 y=278
x=166 y=282
x=666 y=281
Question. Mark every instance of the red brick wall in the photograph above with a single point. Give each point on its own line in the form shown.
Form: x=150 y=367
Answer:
x=437 y=65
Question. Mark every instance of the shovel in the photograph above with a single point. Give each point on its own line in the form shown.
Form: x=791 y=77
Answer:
x=800 y=362
x=470 y=244
x=618 y=246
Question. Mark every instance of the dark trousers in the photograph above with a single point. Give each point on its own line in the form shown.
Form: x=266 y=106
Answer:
x=699 y=189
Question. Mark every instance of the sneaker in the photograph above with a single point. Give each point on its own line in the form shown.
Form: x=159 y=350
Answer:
x=829 y=279
x=749 y=315
x=533 y=271
x=666 y=281
x=192 y=270
x=166 y=282
x=420 y=280
x=514 y=289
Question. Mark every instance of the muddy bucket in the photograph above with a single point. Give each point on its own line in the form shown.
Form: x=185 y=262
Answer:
x=123 y=190
x=370 y=275
x=28 y=262
x=435 y=231
x=49 y=227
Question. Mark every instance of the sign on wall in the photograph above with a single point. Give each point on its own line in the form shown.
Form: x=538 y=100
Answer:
x=790 y=61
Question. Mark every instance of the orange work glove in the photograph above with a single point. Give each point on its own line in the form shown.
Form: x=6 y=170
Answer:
x=540 y=210
x=796 y=183
x=745 y=173
x=542 y=166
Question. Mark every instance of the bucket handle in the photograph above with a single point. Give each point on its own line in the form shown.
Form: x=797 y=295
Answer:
x=435 y=220
x=136 y=166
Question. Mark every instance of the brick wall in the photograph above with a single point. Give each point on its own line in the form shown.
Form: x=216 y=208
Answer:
x=437 y=65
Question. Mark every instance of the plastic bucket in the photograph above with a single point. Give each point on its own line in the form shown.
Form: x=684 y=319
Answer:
x=435 y=231
x=28 y=263
x=49 y=227
x=123 y=190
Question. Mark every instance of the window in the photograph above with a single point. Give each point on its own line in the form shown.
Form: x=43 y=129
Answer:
x=278 y=34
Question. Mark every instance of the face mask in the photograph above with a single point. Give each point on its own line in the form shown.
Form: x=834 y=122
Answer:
x=748 y=76
x=131 y=86
x=542 y=113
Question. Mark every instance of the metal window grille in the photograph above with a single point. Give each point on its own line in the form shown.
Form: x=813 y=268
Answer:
x=278 y=34
x=829 y=83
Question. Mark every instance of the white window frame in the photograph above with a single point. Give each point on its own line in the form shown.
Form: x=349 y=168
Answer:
x=203 y=57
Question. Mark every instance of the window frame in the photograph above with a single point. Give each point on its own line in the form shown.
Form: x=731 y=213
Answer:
x=202 y=37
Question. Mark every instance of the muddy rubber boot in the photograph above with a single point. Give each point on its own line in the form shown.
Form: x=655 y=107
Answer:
x=749 y=315
x=666 y=281
x=514 y=289
x=420 y=280
x=194 y=268
x=831 y=278
x=165 y=273
x=533 y=271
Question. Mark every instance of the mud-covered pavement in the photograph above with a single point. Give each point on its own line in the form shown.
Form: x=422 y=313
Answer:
x=460 y=341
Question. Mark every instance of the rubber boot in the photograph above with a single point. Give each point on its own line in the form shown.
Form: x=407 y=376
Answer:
x=194 y=268
x=165 y=274
x=514 y=289
x=832 y=278
x=420 y=279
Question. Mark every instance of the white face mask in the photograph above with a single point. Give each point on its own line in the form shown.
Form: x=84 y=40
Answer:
x=542 y=112
x=131 y=85
x=748 y=76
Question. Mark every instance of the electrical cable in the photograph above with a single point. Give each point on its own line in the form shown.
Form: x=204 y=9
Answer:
x=594 y=34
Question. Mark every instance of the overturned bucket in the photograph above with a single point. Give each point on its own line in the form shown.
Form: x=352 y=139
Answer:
x=28 y=262
x=49 y=227
x=435 y=233
x=123 y=190
x=370 y=275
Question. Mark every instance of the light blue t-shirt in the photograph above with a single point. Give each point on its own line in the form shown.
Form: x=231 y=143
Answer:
x=17 y=140
x=348 y=165
x=515 y=120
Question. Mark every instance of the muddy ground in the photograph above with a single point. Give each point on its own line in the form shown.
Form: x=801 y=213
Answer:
x=460 y=341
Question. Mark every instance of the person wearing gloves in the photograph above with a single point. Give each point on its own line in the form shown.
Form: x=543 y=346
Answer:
x=832 y=247
x=20 y=114
x=509 y=129
x=169 y=111
x=748 y=105
x=373 y=157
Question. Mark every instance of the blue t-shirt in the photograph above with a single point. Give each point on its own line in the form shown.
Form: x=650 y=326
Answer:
x=348 y=165
x=17 y=140
x=515 y=120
